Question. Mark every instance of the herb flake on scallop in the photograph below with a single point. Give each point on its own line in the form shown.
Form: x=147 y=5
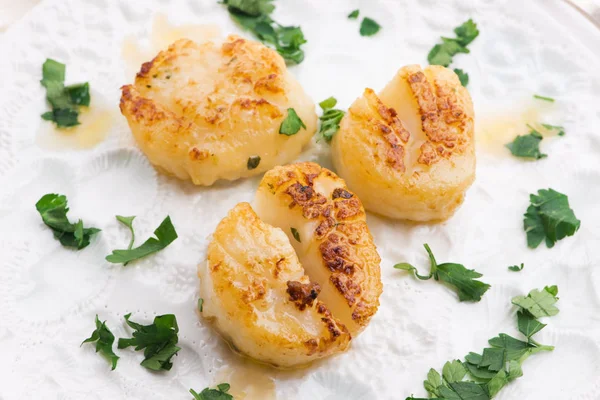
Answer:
x=165 y=235
x=104 y=340
x=549 y=218
x=296 y=234
x=53 y=209
x=291 y=124
x=158 y=340
x=369 y=27
x=456 y=275
x=253 y=162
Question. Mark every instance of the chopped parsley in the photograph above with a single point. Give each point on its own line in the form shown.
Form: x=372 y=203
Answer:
x=516 y=268
x=549 y=217
x=495 y=367
x=165 y=235
x=158 y=340
x=200 y=304
x=254 y=15
x=64 y=100
x=443 y=53
x=220 y=393
x=53 y=209
x=330 y=120
x=104 y=341
x=253 y=162
x=527 y=146
x=296 y=234
x=353 y=14
x=462 y=76
x=453 y=274
x=544 y=98
x=291 y=124
x=560 y=130
x=368 y=27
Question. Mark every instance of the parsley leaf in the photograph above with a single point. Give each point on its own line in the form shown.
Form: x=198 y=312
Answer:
x=65 y=101
x=545 y=98
x=368 y=27
x=527 y=324
x=560 y=130
x=158 y=341
x=466 y=33
x=128 y=222
x=549 y=217
x=527 y=146
x=443 y=53
x=516 y=268
x=53 y=209
x=539 y=303
x=353 y=14
x=497 y=366
x=291 y=124
x=296 y=234
x=330 y=120
x=254 y=16
x=200 y=304
x=165 y=235
x=453 y=274
x=104 y=341
x=220 y=393
x=462 y=76
x=253 y=162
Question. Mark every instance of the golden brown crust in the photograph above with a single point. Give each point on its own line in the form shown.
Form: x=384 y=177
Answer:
x=226 y=100
x=438 y=110
x=303 y=294
x=345 y=245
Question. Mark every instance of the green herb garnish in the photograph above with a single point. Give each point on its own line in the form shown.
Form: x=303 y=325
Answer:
x=462 y=76
x=353 y=14
x=158 y=341
x=296 y=234
x=220 y=393
x=527 y=146
x=368 y=27
x=545 y=98
x=560 y=130
x=443 y=54
x=165 y=235
x=494 y=368
x=65 y=100
x=516 y=268
x=330 y=120
x=53 y=209
x=254 y=15
x=539 y=303
x=253 y=162
x=291 y=124
x=200 y=304
x=549 y=217
x=104 y=341
x=453 y=274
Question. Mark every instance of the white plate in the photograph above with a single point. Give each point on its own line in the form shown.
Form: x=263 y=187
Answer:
x=49 y=295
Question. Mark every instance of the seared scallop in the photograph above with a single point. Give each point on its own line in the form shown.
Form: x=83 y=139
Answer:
x=326 y=224
x=259 y=298
x=409 y=153
x=210 y=111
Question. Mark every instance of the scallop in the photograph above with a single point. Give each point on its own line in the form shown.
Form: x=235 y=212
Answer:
x=409 y=153
x=210 y=111
x=296 y=277
x=257 y=295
